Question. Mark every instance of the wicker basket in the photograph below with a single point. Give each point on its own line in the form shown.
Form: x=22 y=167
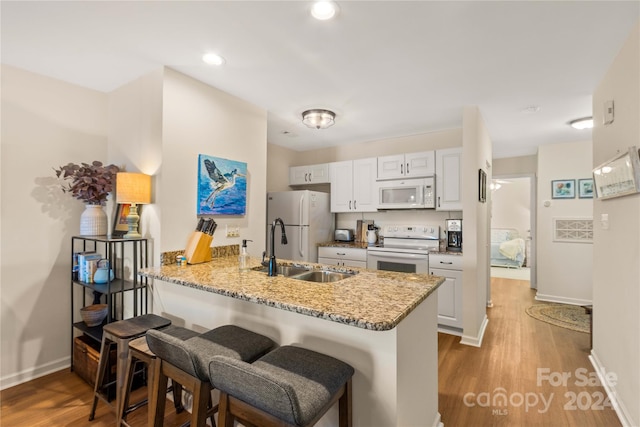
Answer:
x=93 y=315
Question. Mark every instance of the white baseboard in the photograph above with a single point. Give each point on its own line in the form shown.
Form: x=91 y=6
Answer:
x=438 y=421
x=612 y=394
x=33 y=373
x=449 y=330
x=476 y=341
x=562 y=300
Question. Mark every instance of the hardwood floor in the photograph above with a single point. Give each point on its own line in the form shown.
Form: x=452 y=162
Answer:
x=473 y=380
x=64 y=399
x=514 y=347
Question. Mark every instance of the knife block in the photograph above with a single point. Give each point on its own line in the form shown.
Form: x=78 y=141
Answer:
x=198 y=248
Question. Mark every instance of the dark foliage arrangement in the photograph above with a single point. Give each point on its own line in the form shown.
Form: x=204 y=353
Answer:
x=90 y=183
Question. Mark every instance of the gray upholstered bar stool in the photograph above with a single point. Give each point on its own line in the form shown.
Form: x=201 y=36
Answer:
x=291 y=386
x=120 y=333
x=187 y=362
x=139 y=352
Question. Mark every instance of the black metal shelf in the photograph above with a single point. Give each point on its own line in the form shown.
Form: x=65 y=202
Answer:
x=114 y=287
x=116 y=250
x=94 y=332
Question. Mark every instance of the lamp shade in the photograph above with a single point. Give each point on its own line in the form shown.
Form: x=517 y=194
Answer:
x=134 y=188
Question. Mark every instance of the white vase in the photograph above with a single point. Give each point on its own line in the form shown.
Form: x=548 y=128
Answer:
x=93 y=221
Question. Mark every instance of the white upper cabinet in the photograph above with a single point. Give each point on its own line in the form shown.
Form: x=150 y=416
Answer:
x=353 y=185
x=310 y=174
x=449 y=179
x=410 y=165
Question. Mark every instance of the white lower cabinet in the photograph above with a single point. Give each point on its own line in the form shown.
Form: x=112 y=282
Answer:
x=343 y=257
x=450 y=292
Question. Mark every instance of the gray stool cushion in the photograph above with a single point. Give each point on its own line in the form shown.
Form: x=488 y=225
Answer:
x=290 y=383
x=193 y=355
x=179 y=332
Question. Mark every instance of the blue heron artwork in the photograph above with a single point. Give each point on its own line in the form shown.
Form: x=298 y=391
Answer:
x=222 y=186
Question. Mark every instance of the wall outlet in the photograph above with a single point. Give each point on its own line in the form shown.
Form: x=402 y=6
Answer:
x=233 y=231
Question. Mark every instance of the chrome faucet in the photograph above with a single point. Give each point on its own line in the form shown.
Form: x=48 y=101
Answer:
x=273 y=269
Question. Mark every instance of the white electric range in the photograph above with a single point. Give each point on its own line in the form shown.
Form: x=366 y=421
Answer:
x=405 y=249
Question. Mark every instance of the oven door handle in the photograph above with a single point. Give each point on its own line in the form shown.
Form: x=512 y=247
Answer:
x=404 y=255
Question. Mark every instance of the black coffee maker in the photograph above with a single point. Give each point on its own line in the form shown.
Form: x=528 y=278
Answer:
x=454 y=235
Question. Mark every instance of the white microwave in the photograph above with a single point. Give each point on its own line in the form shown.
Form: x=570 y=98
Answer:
x=407 y=194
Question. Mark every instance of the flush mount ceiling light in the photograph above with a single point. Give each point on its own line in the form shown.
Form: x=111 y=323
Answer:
x=583 y=123
x=213 y=59
x=324 y=10
x=318 y=119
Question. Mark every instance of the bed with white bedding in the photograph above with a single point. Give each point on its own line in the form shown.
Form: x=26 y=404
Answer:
x=507 y=248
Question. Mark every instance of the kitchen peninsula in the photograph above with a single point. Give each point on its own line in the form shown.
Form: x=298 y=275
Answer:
x=382 y=323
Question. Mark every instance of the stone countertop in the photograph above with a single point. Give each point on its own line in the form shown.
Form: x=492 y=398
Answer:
x=337 y=244
x=375 y=300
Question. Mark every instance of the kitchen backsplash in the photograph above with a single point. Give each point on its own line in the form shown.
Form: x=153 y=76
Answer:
x=408 y=217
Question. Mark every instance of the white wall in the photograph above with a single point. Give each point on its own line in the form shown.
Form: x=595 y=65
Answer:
x=511 y=205
x=45 y=124
x=515 y=165
x=135 y=140
x=157 y=124
x=200 y=119
x=477 y=154
x=616 y=270
x=564 y=269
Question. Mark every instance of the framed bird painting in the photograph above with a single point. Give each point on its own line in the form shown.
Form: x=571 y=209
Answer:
x=222 y=186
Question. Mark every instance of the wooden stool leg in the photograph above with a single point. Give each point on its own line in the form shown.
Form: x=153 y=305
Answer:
x=159 y=394
x=225 y=419
x=344 y=406
x=177 y=396
x=122 y=354
x=211 y=410
x=128 y=380
x=153 y=375
x=102 y=368
x=201 y=397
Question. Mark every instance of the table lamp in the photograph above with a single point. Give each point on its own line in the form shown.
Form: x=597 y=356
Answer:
x=134 y=189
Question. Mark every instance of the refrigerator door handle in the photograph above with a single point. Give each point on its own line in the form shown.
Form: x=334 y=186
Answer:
x=301 y=207
x=301 y=252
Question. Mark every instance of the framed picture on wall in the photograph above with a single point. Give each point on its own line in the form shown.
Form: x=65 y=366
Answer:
x=585 y=188
x=563 y=189
x=222 y=186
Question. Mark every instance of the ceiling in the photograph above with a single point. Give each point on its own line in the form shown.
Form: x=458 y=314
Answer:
x=387 y=68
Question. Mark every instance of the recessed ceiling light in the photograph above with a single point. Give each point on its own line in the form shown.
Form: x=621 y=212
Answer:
x=583 y=123
x=324 y=10
x=213 y=59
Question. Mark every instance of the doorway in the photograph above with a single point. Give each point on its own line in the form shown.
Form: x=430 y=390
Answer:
x=513 y=227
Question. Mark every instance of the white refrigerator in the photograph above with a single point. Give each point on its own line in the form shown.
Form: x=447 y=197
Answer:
x=308 y=221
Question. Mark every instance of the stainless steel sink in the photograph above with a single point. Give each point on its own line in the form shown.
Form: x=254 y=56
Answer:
x=285 y=270
x=321 y=276
x=301 y=273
